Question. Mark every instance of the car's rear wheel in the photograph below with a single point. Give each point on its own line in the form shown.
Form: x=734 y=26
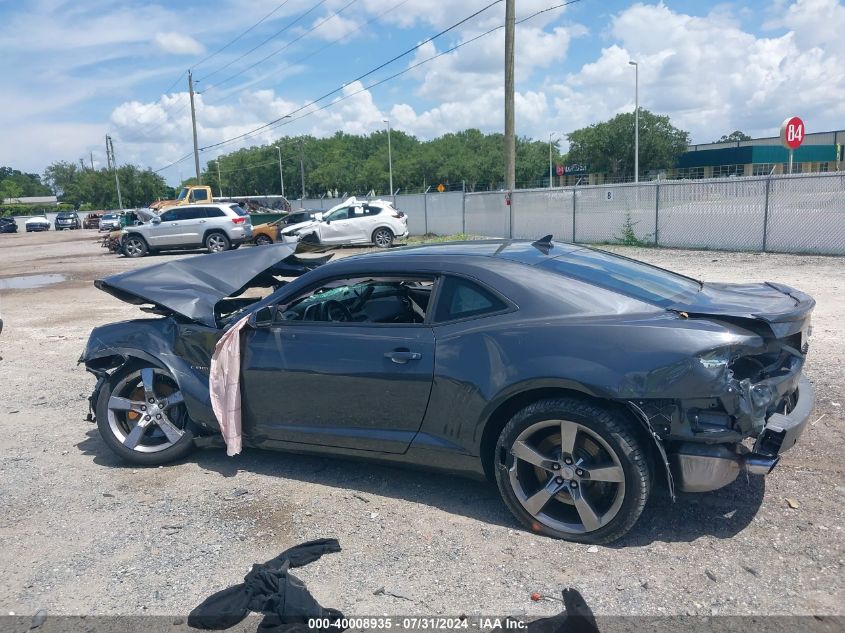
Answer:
x=572 y=469
x=263 y=240
x=135 y=246
x=383 y=237
x=217 y=243
x=141 y=416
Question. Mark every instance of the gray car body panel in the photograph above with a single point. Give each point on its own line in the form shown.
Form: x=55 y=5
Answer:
x=559 y=335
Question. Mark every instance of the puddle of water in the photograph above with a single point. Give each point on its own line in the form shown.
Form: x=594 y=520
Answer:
x=30 y=281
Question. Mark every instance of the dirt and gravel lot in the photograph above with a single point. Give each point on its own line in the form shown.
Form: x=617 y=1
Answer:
x=83 y=534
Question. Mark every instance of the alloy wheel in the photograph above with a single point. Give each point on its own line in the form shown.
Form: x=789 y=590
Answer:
x=566 y=476
x=383 y=238
x=216 y=243
x=146 y=411
x=134 y=247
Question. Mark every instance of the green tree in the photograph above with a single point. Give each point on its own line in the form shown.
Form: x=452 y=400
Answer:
x=609 y=146
x=736 y=135
x=77 y=186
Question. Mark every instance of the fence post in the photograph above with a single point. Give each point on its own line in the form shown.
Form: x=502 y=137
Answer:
x=425 y=211
x=766 y=213
x=656 y=213
x=510 y=215
x=464 y=209
x=573 y=215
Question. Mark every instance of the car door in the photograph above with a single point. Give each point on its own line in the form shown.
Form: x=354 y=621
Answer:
x=339 y=227
x=180 y=227
x=353 y=385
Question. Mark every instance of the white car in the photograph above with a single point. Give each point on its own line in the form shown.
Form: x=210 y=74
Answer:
x=353 y=221
x=37 y=223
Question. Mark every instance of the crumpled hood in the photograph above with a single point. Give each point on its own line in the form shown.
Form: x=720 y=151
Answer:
x=192 y=287
x=293 y=228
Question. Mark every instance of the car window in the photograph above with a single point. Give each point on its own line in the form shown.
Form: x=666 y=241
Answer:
x=167 y=216
x=364 y=300
x=214 y=212
x=461 y=298
x=340 y=214
x=194 y=213
x=238 y=209
x=199 y=195
x=625 y=276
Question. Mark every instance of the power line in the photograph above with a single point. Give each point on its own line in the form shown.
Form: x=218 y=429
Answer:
x=360 y=77
x=322 y=48
x=287 y=119
x=279 y=50
x=223 y=48
x=254 y=48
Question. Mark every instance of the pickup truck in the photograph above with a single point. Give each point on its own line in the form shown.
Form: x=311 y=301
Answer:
x=192 y=194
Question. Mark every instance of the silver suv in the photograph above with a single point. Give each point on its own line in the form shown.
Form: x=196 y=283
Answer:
x=216 y=227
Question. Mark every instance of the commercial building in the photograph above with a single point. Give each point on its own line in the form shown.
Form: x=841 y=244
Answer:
x=820 y=152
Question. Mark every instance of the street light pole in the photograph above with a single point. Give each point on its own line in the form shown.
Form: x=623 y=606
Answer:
x=636 y=120
x=389 y=156
x=551 y=134
x=281 y=175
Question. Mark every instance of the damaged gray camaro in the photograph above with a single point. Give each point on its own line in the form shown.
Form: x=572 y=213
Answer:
x=574 y=378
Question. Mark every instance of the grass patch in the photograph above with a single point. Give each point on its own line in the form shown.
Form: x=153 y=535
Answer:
x=432 y=238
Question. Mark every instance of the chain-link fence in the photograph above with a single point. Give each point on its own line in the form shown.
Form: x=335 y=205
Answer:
x=790 y=214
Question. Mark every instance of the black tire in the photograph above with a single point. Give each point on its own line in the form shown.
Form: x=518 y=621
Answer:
x=263 y=240
x=217 y=242
x=135 y=246
x=603 y=434
x=383 y=237
x=123 y=379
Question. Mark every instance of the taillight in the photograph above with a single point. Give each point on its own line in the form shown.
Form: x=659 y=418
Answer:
x=239 y=220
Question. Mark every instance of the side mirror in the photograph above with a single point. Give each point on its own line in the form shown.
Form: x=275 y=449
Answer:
x=327 y=221
x=263 y=317
x=155 y=220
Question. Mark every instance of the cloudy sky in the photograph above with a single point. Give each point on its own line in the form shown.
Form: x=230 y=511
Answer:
x=76 y=70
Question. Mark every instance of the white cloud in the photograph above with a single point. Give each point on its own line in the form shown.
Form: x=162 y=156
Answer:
x=177 y=43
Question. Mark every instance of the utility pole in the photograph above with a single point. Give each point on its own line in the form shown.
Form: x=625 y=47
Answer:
x=510 y=141
x=219 y=179
x=194 y=126
x=112 y=161
x=301 y=171
x=389 y=156
x=92 y=161
x=281 y=174
x=636 y=120
x=551 y=134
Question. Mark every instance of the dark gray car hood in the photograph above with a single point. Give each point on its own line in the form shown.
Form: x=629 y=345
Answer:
x=192 y=287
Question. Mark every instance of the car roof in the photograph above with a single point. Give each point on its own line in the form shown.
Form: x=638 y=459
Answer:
x=522 y=251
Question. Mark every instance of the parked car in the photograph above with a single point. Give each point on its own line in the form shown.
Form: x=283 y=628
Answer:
x=216 y=227
x=353 y=222
x=571 y=376
x=8 y=225
x=91 y=221
x=37 y=223
x=67 y=220
x=269 y=232
x=109 y=222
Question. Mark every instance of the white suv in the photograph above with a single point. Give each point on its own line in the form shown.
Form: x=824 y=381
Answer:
x=354 y=222
x=216 y=227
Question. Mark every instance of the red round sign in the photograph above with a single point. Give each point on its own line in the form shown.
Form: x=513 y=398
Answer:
x=792 y=132
x=559 y=170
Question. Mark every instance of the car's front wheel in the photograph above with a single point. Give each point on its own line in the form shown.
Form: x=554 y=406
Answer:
x=263 y=240
x=135 y=246
x=217 y=243
x=572 y=469
x=141 y=416
x=383 y=237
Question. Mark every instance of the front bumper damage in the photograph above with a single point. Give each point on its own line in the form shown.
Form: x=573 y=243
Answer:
x=702 y=467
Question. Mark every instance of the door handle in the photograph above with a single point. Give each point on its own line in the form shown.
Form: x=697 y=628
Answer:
x=202 y=221
x=402 y=356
